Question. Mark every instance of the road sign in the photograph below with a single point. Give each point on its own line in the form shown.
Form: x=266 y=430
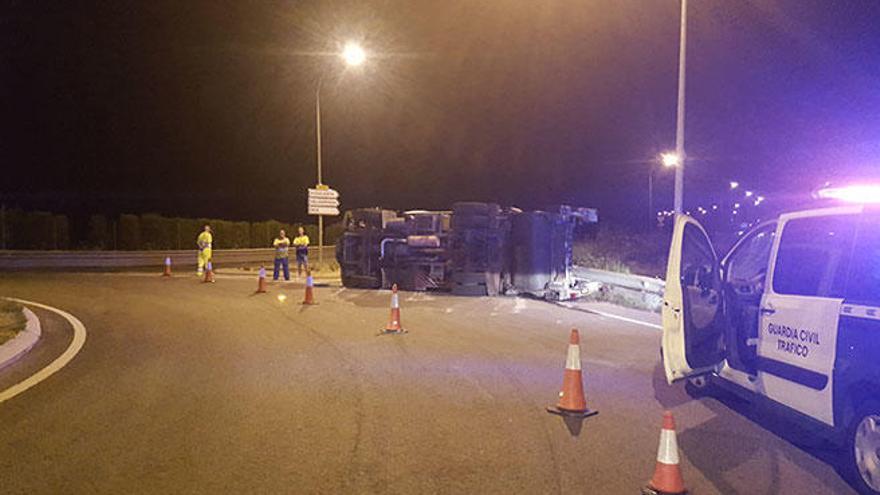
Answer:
x=326 y=211
x=323 y=201
x=323 y=193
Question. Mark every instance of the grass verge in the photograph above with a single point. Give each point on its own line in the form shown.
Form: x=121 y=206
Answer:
x=12 y=320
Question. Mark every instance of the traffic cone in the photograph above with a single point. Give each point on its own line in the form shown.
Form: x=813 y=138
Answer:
x=667 y=478
x=310 y=284
x=167 y=272
x=571 y=397
x=209 y=274
x=261 y=281
x=393 y=325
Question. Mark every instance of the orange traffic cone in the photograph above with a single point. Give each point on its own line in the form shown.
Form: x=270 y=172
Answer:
x=571 y=397
x=667 y=478
x=209 y=274
x=310 y=283
x=393 y=325
x=167 y=272
x=261 y=281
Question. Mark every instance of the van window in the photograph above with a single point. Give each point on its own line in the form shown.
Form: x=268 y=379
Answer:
x=864 y=279
x=748 y=261
x=814 y=255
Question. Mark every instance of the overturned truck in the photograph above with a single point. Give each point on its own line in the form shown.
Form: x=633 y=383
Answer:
x=476 y=249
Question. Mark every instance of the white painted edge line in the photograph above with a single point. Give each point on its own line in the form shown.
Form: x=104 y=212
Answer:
x=79 y=338
x=23 y=342
x=618 y=317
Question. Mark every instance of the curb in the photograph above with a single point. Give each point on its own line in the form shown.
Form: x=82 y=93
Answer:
x=23 y=342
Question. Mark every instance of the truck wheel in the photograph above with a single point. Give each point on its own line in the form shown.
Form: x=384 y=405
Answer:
x=862 y=468
x=466 y=208
x=470 y=221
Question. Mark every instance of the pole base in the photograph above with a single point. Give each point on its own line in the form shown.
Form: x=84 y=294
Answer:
x=572 y=414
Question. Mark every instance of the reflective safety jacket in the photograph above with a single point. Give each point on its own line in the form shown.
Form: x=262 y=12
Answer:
x=205 y=240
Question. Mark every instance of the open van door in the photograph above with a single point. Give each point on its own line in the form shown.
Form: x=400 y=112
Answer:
x=693 y=321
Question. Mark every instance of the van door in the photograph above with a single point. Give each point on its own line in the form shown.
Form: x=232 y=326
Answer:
x=693 y=321
x=800 y=310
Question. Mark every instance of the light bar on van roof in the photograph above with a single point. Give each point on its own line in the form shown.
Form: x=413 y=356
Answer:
x=857 y=193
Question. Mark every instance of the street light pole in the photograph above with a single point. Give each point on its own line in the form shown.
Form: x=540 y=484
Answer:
x=320 y=178
x=651 y=197
x=679 y=121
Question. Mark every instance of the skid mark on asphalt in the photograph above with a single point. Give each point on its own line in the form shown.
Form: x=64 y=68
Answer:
x=79 y=339
x=351 y=366
x=521 y=396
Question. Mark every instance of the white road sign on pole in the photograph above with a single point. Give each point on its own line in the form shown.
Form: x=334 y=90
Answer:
x=323 y=193
x=325 y=211
x=323 y=201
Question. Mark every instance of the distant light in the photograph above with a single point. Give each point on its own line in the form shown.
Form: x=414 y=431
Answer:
x=749 y=194
x=353 y=54
x=859 y=193
x=734 y=184
x=736 y=205
x=670 y=159
x=714 y=207
x=757 y=202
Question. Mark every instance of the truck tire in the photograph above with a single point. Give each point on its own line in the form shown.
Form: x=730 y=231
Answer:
x=862 y=460
x=469 y=278
x=469 y=290
x=471 y=221
x=467 y=208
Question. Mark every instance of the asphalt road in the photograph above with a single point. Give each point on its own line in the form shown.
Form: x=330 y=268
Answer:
x=185 y=387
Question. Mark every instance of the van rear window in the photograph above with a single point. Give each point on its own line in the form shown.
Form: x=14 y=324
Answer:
x=864 y=279
x=813 y=256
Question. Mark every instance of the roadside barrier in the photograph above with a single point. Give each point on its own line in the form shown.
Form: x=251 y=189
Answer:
x=394 y=325
x=667 y=478
x=209 y=274
x=124 y=260
x=261 y=281
x=167 y=272
x=309 y=298
x=571 y=398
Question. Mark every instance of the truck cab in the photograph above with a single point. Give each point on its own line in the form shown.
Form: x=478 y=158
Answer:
x=790 y=314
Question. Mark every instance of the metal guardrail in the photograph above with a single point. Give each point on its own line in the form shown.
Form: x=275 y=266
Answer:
x=623 y=280
x=647 y=290
x=115 y=260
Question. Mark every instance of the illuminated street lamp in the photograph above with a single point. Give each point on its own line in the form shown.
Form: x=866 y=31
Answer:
x=668 y=160
x=353 y=55
x=734 y=184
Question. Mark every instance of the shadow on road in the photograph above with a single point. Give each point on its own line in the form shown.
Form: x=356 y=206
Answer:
x=712 y=448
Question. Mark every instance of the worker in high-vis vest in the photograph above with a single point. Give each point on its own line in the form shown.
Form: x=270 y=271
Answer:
x=282 y=260
x=301 y=243
x=204 y=241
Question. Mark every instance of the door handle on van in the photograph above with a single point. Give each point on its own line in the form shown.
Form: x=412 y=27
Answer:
x=767 y=311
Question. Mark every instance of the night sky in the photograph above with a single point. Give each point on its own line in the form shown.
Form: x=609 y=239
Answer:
x=206 y=108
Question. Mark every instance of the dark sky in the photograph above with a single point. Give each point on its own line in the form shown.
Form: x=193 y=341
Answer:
x=207 y=107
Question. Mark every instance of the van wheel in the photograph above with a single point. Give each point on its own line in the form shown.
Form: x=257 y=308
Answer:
x=698 y=386
x=863 y=449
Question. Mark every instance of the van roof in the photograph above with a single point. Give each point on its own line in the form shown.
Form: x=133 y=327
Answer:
x=816 y=212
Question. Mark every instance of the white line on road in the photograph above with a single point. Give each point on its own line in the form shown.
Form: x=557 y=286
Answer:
x=79 y=338
x=616 y=317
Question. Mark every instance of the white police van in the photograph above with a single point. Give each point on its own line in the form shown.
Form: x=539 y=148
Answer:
x=792 y=314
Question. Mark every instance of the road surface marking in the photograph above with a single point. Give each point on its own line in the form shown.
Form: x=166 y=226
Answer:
x=615 y=317
x=519 y=305
x=79 y=338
